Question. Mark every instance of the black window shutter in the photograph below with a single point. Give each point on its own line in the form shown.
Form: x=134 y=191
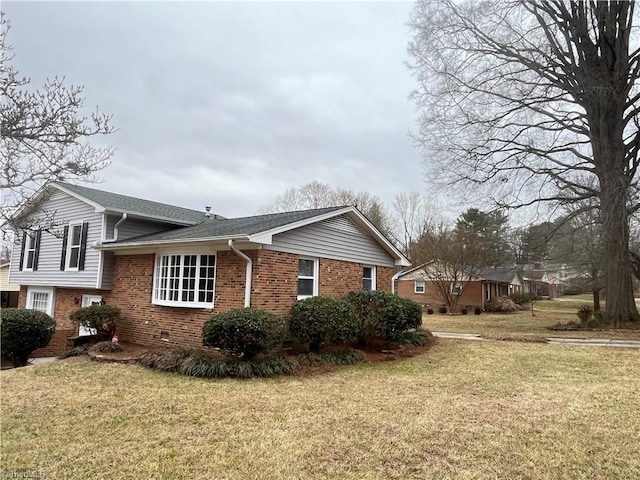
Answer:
x=65 y=238
x=36 y=253
x=83 y=245
x=24 y=245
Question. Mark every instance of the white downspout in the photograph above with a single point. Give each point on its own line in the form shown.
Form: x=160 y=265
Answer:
x=115 y=227
x=393 y=281
x=247 y=282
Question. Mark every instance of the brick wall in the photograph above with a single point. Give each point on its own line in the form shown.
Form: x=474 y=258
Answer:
x=65 y=302
x=274 y=281
x=274 y=288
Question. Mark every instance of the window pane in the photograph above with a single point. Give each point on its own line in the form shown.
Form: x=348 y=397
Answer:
x=30 y=255
x=305 y=286
x=366 y=283
x=73 y=257
x=40 y=301
x=367 y=272
x=305 y=268
x=75 y=234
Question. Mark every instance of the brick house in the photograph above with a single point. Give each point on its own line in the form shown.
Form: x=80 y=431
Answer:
x=476 y=287
x=169 y=268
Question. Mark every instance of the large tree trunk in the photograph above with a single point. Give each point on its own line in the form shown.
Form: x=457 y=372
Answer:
x=621 y=305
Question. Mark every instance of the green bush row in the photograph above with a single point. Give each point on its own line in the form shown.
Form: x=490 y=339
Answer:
x=246 y=333
x=204 y=366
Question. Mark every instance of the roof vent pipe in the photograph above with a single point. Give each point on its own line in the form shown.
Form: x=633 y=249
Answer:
x=207 y=212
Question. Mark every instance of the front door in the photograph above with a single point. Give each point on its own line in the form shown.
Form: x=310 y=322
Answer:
x=87 y=301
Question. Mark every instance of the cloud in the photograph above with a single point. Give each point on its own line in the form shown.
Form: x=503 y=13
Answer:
x=230 y=104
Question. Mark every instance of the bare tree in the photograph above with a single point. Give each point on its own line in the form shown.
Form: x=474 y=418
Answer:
x=318 y=195
x=451 y=260
x=415 y=215
x=536 y=101
x=43 y=135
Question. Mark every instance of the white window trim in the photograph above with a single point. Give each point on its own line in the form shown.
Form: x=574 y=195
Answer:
x=28 y=238
x=373 y=276
x=415 y=286
x=316 y=265
x=180 y=303
x=51 y=301
x=68 y=267
x=460 y=290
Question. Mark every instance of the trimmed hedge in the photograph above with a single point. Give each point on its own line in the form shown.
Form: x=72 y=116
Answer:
x=102 y=318
x=23 y=331
x=380 y=313
x=323 y=320
x=245 y=332
x=368 y=304
x=399 y=316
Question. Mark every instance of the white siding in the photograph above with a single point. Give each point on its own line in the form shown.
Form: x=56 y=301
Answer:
x=337 y=238
x=67 y=209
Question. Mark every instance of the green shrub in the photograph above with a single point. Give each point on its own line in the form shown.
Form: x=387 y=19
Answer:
x=502 y=304
x=521 y=298
x=207 y=367
x=570 y=325
x=102 y=318
x=348 y=356
x=418 y=338
x=105 y=347
x=368 y=304
x=168 y=360
x=598 y=317
x=322 y=320
x=23 y=331
x=585 y=314
x=244 y=332
x=399 y=316
x=75 y=351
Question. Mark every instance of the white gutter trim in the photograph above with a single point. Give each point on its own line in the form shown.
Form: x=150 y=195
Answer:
x=393 y=281
x=247 y=282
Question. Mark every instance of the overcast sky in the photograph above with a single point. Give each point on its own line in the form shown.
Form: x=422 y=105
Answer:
x=230 y=104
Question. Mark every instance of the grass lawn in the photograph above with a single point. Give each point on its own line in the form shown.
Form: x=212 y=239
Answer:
x=464 y=410
x=548 y=312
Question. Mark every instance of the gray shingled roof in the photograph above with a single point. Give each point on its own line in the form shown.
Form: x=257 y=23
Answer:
x=136 y=206
x=230 y=227
x=498 y=274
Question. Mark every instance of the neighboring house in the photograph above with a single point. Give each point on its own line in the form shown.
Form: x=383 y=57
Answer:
x=536 y=282
x=8 y=291
x=169 y=268
x=479 y=287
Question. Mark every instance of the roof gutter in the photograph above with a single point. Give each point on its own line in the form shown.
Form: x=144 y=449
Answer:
x=247 y=282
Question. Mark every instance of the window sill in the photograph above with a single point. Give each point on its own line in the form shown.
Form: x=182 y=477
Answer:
x=182 y=304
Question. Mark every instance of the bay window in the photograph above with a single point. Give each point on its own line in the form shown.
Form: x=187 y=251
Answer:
x=184 y=280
